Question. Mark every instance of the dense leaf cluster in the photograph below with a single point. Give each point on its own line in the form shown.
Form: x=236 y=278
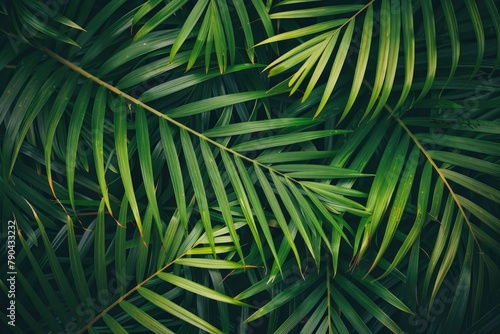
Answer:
x=239 y=166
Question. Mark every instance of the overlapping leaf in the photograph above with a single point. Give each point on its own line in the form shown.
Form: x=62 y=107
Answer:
x=146 y=198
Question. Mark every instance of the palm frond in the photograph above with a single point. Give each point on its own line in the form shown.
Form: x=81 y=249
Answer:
x=382 y=24
x=150 y=198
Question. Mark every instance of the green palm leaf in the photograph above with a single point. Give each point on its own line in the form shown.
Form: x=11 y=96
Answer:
x=145 y=197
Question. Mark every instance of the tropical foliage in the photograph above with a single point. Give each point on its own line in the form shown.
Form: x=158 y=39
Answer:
x=251 y=166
